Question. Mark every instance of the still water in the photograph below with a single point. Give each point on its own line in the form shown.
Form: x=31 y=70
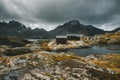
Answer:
x=99 y=49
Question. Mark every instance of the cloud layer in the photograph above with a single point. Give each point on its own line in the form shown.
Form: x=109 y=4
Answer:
x=49 y=13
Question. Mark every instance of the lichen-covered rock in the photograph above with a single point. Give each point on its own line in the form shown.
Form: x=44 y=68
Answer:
x=61 y=47
x=44 y=65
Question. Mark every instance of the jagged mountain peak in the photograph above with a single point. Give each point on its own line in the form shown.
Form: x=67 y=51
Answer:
x=13 y=21
x=74 y=27
x=73 y=22
x=40 y=29
x=15 y=28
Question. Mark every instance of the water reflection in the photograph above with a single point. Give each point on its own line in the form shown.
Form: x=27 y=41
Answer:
x=99 y=49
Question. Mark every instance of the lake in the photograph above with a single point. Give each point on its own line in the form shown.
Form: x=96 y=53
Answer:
x=38 y=40
x=33 y=39
x=98 y=49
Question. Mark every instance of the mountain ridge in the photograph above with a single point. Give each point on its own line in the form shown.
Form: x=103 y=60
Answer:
x=15 y=28
x=74 y=26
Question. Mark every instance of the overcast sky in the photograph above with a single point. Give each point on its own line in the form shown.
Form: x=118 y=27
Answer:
x=48 y=14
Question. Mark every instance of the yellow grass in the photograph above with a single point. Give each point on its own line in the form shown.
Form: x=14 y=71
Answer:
x=45 y=46
x=111 y=61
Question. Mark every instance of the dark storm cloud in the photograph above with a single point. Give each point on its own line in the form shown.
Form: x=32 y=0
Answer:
x=5 y=13
x=95 y=12
x=91 y=11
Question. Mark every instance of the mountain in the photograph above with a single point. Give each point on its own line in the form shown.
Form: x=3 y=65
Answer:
x=116 y=30
x=14 y=28
x=74 y=27
x=35 y=33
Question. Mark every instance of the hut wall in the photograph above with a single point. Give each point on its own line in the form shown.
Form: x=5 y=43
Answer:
x=61 y=40
x=73 y=38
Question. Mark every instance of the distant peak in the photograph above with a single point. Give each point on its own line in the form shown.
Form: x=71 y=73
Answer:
x=74 y=22
x=13 y=21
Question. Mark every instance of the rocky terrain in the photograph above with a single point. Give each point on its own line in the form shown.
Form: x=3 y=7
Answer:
x=84 y=42
x=111 y=38
x=42 y=65
x=53 y=46
x=34 y=61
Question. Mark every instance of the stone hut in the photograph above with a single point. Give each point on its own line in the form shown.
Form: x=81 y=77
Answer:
x=61 y=39
x=73 y=37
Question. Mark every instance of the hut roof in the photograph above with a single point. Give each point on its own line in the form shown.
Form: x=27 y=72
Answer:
x=61 y=36
x=72 y=34
x=78 y=35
